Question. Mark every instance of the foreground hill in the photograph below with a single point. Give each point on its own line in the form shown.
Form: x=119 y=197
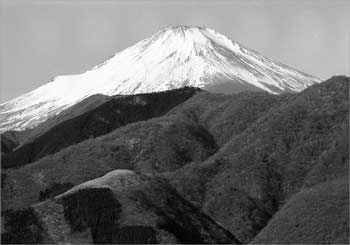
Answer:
x=135 y=209
x=244 y=161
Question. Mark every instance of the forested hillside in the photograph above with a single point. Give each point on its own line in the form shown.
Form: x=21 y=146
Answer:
x=201 y=168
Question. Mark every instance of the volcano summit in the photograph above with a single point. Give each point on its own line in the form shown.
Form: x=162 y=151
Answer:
x=172 y=58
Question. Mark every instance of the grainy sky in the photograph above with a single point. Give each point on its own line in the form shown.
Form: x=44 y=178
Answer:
x=41 y=39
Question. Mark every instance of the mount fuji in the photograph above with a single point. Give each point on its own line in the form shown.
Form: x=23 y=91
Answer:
x=172 y=58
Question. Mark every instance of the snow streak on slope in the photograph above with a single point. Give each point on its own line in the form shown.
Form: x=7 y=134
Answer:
x=172 y=58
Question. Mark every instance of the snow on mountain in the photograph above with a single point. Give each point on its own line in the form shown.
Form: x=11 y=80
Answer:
x=172 y=58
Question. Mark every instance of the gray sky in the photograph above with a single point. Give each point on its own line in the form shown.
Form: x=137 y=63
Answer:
x=41 y=39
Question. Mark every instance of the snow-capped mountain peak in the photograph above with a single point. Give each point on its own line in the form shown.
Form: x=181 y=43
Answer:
x=172 y=58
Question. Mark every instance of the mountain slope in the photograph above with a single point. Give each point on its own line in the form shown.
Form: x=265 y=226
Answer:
x=172 y=58
x=298 y=144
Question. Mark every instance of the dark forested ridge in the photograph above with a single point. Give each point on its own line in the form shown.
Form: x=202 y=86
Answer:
x=9 y=141
x=113 y=113
x=244 y=168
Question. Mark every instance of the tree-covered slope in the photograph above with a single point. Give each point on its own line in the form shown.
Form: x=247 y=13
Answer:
x=302 y=142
